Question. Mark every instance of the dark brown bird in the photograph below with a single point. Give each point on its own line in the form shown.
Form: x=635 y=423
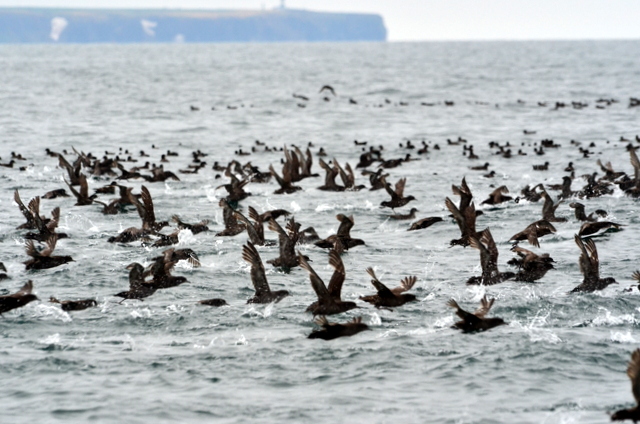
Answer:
x=397 y=196
x=410 y=215
x=285 y=182
x=390 y=298
x=475 y=322
x=633 y=371
x=466 y=221
x=162 y=266
x=43 y=259
x=484 y=242
x=146 y=211
x=287 y=258
x=590 y=268
x=74 y=305
x=194 y=228
x=274 y=214
x=330 y=178
x=214 y=302
x=329 y=299
x=549 y=208
x=532 y=267
x=580 y=213
x=259 y=278
x=82 y=196
x=138 y=289
x=497 y=196
x=589 y=228
x=534 y=231
x=46 y=228
x=255 y=229
x=17 y=299
x=424 y=223
x=26 y=212
x=333 y=330
x=231 y=225
x=54 y=194
x=342 y=240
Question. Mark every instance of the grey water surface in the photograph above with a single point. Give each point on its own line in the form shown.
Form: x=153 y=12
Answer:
x=561 y=359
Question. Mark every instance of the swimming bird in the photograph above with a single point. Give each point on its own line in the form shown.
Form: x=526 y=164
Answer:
x=580 y=213
x=424 y=223
x=410 y=215
x=397 y=196
x=17 y=299
x=43 y=259
x=74 y=305
x=488 y=260
x=138 y=289
x=475 y=322
x=590 y=268
x=534 y=231
x=589 y=228
x=329 y=299
x=263 y=294
x=161 y=268
x=633 y=372
x=214 y=302
x=389 y=298
x=333 y=330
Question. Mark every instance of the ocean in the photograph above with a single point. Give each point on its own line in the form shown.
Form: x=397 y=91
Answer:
x=562 y=357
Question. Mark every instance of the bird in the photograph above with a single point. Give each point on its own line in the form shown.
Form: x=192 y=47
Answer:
x=424 y=223
x=397 y=196
x=231 y=225
x=549 y=208
x=488 y=260
x=43 y=259
x=532 y=266
x=138 y=289
x=74 y=305
x=17 y=299
x=388 y=298
x=263 y=294
x=497 y=196
x=342 y=239
x=590 y=268
x=327 y=88
x=333 y=330
x=82 y=196
x=329 y=298
x=410 y=215
x=589 y=228
x=214 y=302
x=633 y=371
x=287 y=242
x=475 y=322
x=534 y=231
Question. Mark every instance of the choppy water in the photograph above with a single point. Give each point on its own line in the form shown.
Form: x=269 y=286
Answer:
x=562 y=359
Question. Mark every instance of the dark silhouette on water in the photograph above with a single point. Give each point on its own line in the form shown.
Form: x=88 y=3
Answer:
x=43 y=259
x=333 y=330
x=74 y=305
x=390 y=298
x=633 y=371
x=590 y=268
x=473 y=322
x=17 y=299
x=264 y=294
x=329 y=299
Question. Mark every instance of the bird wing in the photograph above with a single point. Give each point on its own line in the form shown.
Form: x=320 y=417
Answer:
x=586 y=264
x=278 y=178
x=400 y=186
x=27 y=214
x=258 y=275
x=51 y=245
x=26 y=289
x=485 y=306
x=55 y=219
x=633 y=371
x=346 y=223
x=149 y=214
x=406 y=284
x=337 y=279
x=316 y=282
x=383 y=291
x=84 y=187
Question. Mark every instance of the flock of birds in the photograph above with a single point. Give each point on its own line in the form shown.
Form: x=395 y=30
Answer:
x=41 y=235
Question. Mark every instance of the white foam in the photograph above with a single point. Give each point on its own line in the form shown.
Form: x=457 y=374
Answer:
x=295 y=207
x=375 y=319
x=620 y=337
x=610 y=320
x=53 y=339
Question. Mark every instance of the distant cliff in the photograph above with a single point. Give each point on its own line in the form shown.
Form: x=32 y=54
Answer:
x=36 y=25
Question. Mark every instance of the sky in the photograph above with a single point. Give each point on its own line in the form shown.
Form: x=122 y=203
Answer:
x=425 y=20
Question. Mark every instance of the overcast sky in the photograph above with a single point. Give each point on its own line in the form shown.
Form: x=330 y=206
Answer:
x=413 y=20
